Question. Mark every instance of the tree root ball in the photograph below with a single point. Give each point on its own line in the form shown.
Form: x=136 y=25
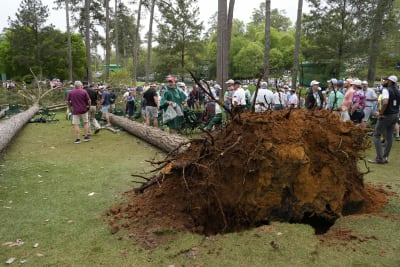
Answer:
x=298 y=166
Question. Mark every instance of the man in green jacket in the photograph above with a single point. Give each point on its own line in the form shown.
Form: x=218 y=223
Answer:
x=175 y=98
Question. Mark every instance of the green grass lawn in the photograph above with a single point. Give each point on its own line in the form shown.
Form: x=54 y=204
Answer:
x=45 y=186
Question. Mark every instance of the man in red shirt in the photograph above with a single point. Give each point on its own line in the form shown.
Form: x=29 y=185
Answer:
x=80 y=102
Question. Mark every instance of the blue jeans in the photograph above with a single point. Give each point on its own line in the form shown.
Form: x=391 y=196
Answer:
x=384 y=126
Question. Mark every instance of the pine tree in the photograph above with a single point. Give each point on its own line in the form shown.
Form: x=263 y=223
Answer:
x=179 y=36
x=31 y=15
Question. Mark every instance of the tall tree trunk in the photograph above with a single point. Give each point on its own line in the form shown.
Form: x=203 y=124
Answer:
x=125 y=59
x=183 y=53
x=158 y=138
x=150 y=40
x=136 y=44
x=116 y=34
x=9 y=128
x=69 y=41
x=267 y=38
x=382 y=7
x=222 y=44
x=297 y=45
x=108 y=42
x=228 y=43
x=87 y=42
x=343 y=16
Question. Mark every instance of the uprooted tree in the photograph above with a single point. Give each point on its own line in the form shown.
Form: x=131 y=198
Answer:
x=295 y=166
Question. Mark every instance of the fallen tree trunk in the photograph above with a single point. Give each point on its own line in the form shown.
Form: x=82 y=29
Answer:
x=163 y=140
x=9 y=128
x=61 y=105
x=3 y=112
x=57 y=108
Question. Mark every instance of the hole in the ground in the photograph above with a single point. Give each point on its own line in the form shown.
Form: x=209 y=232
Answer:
x=320 y=225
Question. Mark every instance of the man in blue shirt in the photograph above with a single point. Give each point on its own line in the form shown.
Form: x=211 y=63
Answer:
x=105 y=106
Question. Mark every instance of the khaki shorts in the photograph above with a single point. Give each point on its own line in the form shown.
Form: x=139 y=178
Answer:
x=76 y=119
x=151 y=112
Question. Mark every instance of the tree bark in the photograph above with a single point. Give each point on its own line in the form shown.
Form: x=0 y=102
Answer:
x=228 y=34
x=3 y=112
x=383 y=6
x=116 y=34
x=267 y=38
x=69 y=41
x=297 y=45
x=87 y=42
x=154 y=136
x=136 y=44
x=9 y=128
x=108 y=45
x=343 y=17
x=222 y=45
x=150 y=40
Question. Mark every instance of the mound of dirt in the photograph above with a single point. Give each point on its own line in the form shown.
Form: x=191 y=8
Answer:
x=297 y=166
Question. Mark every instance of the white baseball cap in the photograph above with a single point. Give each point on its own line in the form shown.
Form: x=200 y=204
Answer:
x=364 y=82
x=230 y=81
x=357 y=82
x=314 y=82
x=392 y=78
x=333 y=81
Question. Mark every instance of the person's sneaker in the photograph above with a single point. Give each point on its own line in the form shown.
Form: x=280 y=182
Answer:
x=77 y=141
x=97 y=130
x=385 y=161
x=397 y=138
x=376 y=161
x=86 y=138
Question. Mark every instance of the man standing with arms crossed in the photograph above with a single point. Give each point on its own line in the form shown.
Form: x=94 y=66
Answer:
x=387 y=118
x=80 y=102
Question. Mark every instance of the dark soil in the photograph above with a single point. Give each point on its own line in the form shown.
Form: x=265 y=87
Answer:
x=298 y=167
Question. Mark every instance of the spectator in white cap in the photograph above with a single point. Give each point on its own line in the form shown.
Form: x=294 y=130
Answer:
x=314 y=97
x=335 y=98
x=265 y=98
x=293 y=100
x=358 y=103
x=332 y=83
x=388 y=116
x=215 y=91
x=228 y=96
x=238 y=98
x=370 y=101
x=287 y=93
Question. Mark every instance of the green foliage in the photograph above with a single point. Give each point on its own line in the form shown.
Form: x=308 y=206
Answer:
x=29 y=44
x=278 y=18
x=252 y=36
x=31 y=14
x=249 y=61
x=17 y=53
x=178 y=37
x=126 y=31
x=337 y=35
x=121 y=76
